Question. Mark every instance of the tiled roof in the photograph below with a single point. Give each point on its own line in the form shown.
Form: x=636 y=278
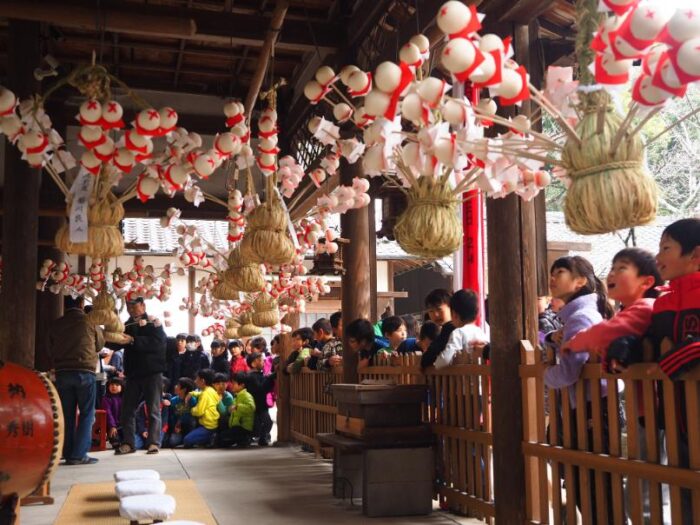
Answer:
x=603 y=247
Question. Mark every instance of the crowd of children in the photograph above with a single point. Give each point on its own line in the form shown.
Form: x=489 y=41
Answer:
x=224 y=400
x=219 y=401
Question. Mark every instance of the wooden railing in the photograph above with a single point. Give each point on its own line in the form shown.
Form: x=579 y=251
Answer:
x=312 y=408
x=624 y=475
x=458 y=411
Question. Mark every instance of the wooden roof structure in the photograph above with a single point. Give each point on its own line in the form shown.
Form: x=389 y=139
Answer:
x=219 y=49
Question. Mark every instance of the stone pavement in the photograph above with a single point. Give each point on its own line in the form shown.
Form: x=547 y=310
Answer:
x=261 y=486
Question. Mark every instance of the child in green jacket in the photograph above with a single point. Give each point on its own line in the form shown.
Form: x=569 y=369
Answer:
x=240 y=423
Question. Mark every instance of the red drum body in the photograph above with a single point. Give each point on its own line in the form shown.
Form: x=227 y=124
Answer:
x=31 y=429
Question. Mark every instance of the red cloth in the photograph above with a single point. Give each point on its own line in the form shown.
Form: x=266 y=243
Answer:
x=633 y=320
x=239 y=365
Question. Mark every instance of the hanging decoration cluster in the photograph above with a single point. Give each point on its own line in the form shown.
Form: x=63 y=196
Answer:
x=425 y=136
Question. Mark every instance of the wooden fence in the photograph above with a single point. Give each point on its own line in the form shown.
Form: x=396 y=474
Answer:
x=458 y=410
x=311 y=405
x=625 y=474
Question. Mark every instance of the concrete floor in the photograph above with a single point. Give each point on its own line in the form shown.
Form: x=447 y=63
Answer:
x=252 y=486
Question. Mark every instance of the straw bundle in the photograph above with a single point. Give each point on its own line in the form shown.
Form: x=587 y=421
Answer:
x=430 y=226
x=104 y=237
x=266 y=240
x=265 y=311
x=103 y=310
x=104 y=313
x=242 y=275
x=611 y=188
x=248 y=329
x=224 y=290
x=231 y=331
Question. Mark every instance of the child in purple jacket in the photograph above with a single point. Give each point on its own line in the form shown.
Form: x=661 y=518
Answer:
x=573 y=280
x=112 y=405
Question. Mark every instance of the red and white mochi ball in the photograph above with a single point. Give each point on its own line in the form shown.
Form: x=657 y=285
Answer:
x=147 y=122
x=112 y=113
x=8 y=102
x=90 y=113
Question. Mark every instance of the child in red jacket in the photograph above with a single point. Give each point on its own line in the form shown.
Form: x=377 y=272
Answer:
x=632 y=282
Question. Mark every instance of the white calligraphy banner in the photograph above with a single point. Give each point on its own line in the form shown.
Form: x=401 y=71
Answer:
x=78 y=220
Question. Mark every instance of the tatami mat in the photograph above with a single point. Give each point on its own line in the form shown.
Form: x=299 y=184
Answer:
x=96 y=504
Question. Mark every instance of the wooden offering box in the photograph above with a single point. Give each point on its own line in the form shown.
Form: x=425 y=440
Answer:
x=382 y=415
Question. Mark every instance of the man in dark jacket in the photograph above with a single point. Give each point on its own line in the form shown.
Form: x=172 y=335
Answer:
x=74 y=344
x=144 y=365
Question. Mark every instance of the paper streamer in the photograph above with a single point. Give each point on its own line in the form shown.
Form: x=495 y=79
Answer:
x=78 y=220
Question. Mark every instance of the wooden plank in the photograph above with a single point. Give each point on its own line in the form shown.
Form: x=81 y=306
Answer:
x=567 y=425
x=615 y=451
x=601 y=495
x=485 y=508
x=554 y=432
x=581 y=429
x=652 y=441
x=658 y=473
x=692 y=403
x=191 y=24
x=669 y=394
x=633 y=482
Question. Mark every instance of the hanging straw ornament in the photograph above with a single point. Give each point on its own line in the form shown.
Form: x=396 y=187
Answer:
x=248 y=329
x=242 y=275
x=430 y=226
x=611 y=188
x=104 y=237
x=104 y=312
x=231 y=331
x=224 y=290
x=266 y=239
x=265 y=311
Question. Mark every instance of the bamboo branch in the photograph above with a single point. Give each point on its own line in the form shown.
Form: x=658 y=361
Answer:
x=623 y=127
x=646 y=119
x=669 y=128
x=125 y=197
x=542 y=101
x=57 y=179
x=342 y=95
x=215 y=199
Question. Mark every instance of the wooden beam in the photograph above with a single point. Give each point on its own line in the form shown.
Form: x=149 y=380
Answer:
x=308 y=201
x=267 y=51
x=566 y=33
x=20 y=222
x=85 y=17
x=524 y=11
x=164 y=21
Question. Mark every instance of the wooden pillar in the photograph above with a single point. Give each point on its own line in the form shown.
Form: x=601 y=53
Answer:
x=284 y=420
x=356 y=286
x=191 y=284
x=372 y=249
x=20 y=212
x=49 y=307
x=536 y=68
x=513 y=317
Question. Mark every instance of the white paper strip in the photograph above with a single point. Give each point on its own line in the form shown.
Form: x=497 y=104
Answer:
x=78 y=220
